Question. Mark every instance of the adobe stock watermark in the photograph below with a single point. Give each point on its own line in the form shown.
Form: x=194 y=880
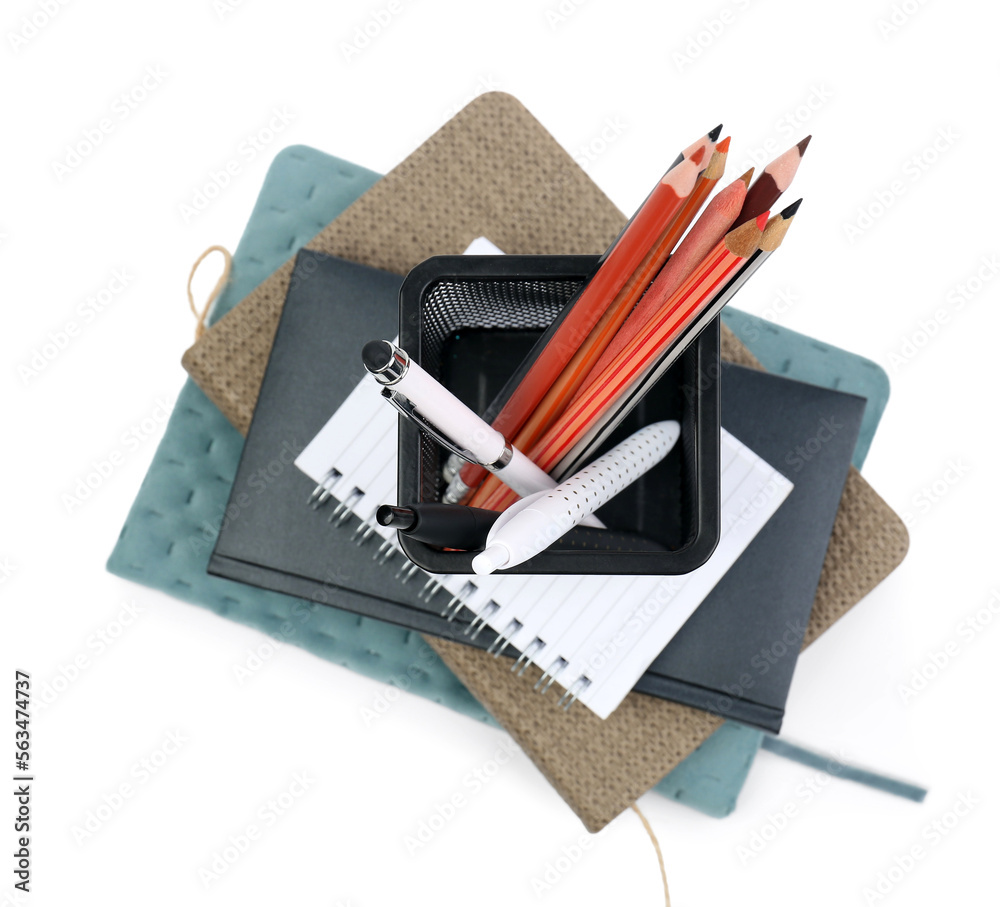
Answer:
x=709 y=31
x=769 y=656
x=933 y=492
x=225 y=8
x=560 y=866
x=32 y=25
x=7 y=570
x=914 y=169
x=238 y=845
x=801 y=454
x=484 y=84
x=92 y=136
x=473 y=783
x=140 y=773
x=789 y=128
x=644 y=615
x=562 y=12
x=751 y=505
x=258 y=656
x=932 y=835
x=257 y=482
x=899 y=16
x=95 y=646
x=370 y=30
x=967 y=630
x=780 y=304
x=777 y=822
x=397 y=684
x=589 y=151
x=60 y=339
x=101 y=469
x=247 y=150
x=13 y=899
x=931 y=326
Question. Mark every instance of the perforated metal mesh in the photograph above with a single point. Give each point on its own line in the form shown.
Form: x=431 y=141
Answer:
x=451 y=306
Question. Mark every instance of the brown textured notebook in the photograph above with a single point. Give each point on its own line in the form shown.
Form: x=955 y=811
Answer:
x=600 y=767
x=494 y=171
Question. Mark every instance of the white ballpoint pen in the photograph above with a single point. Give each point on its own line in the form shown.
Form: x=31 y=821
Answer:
x=450 y=422
x=534 y=523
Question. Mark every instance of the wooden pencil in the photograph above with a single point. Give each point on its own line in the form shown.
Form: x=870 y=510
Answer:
x=707 y=141
x=774 y=179
x=613 y=273
x=771 y=238
x=711 y=276
x=581 y=366
x=715 y=222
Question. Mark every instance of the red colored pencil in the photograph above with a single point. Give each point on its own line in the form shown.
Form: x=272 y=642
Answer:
x=618 y=265
x=711 y=276
x=714 y=223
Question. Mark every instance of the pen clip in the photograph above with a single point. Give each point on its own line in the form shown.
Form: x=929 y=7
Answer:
x=406 y=408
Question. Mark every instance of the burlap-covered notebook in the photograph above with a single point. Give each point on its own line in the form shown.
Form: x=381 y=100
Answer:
x=494 y=171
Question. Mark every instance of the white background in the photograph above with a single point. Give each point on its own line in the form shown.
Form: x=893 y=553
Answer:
x=880 y=99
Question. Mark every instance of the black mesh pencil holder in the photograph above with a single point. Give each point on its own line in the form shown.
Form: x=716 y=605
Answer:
x=471 y=321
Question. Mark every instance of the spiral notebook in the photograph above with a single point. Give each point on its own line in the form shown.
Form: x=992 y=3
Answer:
x=593 y=636
x=271 y=539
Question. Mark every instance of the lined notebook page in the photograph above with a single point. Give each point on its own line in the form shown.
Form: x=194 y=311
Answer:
x=596 y=634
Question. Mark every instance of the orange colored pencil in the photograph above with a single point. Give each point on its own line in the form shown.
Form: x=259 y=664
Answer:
x=714 y=223
x=706 y=183
x=678 y=184
x=620 y=262
x=712 y=275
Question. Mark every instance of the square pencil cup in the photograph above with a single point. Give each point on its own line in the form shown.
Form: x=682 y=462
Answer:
x=473 y=322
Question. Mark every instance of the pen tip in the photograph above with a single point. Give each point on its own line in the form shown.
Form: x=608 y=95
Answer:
x=491 y=559
x=401 y=518
x=376 y=355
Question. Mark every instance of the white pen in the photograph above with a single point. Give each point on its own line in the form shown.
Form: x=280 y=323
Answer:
x=534 y=523
x=448 y=419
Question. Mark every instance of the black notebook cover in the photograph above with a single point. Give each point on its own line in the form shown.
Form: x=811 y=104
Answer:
x=734 y=656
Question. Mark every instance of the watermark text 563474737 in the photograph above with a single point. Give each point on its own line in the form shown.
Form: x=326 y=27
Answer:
x=23 y=781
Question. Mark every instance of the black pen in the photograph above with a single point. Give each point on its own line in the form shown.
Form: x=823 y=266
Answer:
x=441 y=525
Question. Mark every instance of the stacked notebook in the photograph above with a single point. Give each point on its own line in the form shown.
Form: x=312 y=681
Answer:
x=761 y=603
x=598 y=768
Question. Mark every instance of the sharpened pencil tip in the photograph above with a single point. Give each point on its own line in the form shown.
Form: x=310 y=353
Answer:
x=803 y=145
x=789 y=212
x=723 y=146
x=715 y=133
x=747 y=177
